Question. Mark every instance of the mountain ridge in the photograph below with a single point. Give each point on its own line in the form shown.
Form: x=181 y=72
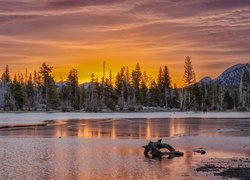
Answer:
x=230 y=77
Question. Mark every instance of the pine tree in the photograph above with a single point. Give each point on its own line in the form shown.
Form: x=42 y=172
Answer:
x=161 y=86
x=196 y=90
x=144 y=99
x=189 y=79
x=49 y=88
x=228 y=101
x=245 y=90
x=53 y=100
x=6 y=74
x=136 y=79
x=189 y=74
x=30 y=93
x=167 y=84
x=154 y=94
x=4 y=87
x=164 y=86
x=18 y=93
x=108 y=92
x=119 y=89
x=92 y=98
x=175 y=101
x=6 y=98
x=73 y=89
x=38 y=86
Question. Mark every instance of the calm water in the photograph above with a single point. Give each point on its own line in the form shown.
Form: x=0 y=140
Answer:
x=111 y=148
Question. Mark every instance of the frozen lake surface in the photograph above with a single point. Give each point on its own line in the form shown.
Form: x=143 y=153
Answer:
x=29 y=118
x=109 y=146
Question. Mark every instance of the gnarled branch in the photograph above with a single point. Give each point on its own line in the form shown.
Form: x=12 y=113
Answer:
x=153 y=148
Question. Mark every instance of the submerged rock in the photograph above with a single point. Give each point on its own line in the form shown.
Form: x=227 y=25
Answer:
x=208 y=168
x=238 y=172
x=201 y=151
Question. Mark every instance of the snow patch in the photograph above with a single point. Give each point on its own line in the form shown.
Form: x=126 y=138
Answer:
x=34 y=118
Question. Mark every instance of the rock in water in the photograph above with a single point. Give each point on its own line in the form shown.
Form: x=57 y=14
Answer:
x=201 y=151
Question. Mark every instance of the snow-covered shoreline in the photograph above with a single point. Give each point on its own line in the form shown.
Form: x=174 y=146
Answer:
x=34 y=118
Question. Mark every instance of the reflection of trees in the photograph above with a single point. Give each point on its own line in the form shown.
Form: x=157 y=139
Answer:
x=115 y=128
x=126 y=128
x=148 y=134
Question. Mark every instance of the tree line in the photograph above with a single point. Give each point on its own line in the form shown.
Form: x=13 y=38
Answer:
x=128 y=90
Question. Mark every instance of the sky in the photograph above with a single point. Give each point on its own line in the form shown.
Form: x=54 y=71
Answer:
x=82 y=34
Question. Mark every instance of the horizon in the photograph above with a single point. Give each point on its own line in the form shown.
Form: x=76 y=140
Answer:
x=99 y=74
x=82 y=34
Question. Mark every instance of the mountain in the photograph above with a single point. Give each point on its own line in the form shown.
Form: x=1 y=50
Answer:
x=60 y=84
x=85 y=85
x=230 y=77
x=205 y=80
x=64 y=83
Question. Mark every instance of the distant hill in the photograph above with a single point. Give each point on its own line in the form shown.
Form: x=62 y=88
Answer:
x=230 y=77
x=60 y=84
x=85 y=85
x=64 y=83
x=205 y=80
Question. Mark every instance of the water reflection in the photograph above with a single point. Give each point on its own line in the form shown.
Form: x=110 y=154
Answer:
x=135 y=128
x=73 y=158
x=111 y=148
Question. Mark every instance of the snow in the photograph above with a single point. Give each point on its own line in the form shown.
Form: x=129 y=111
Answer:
x=234 y=68
x=205 y=80
x=60 y=84
x=36 y=118
x=231 y=76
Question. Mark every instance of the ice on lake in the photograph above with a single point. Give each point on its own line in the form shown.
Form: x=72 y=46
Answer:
x=109 y=146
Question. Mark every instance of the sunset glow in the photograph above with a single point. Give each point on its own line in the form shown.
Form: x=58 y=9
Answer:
x=82 y=34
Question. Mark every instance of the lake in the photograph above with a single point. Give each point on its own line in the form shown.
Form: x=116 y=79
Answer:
x=112 y=148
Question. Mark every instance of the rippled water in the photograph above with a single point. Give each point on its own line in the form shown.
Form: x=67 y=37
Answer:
x=112 y=148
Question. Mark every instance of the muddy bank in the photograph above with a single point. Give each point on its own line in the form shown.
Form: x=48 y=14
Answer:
x=22 y=126
x=238 y=168
x=13 y=126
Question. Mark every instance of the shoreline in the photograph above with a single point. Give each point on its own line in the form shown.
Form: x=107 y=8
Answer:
x=125 y=111
x=155 y=114
x=24 y=118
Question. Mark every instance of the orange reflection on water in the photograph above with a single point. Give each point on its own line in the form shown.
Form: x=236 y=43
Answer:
x=148 y=135
x=113 y=134
x=114 y=128
x=105 y=158
x=93 y=130
x=84 y=131
x=177 y=128
x=133 y=128
x=60 y=132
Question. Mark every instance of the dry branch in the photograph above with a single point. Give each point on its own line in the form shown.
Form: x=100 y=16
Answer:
x=153 y=148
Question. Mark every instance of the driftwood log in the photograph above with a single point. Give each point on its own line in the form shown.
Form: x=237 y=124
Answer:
x=153 y=148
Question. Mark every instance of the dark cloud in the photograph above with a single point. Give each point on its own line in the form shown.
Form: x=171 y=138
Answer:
x=15 y=6
x=16 y=18
x=212 y=31
x=78 y=3
x=183 y=8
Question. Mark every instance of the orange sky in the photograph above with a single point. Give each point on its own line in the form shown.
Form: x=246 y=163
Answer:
x=82 y=34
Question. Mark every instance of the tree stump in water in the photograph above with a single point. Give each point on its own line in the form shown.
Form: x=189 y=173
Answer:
x=153 y=148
